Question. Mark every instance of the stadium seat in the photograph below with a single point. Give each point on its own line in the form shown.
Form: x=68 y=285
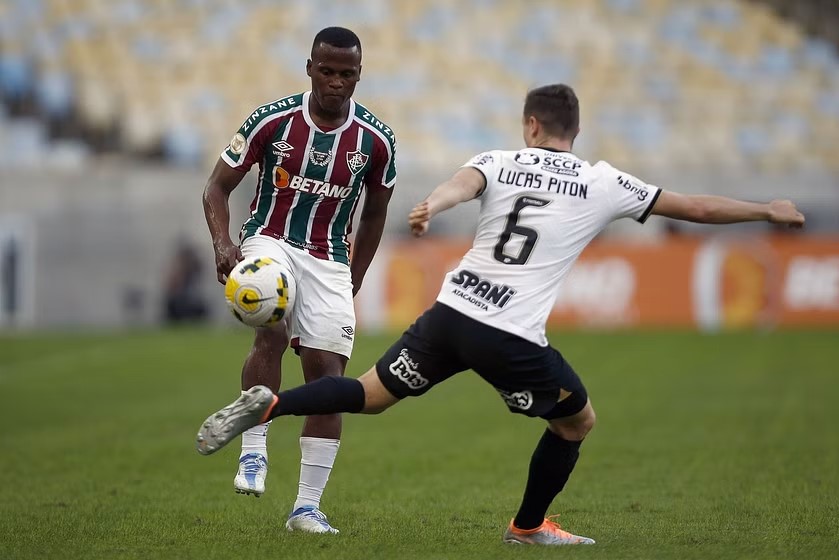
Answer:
x=449 y=88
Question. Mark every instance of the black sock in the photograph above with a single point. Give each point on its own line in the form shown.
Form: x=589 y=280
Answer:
x=327 y=395
x=551 y=465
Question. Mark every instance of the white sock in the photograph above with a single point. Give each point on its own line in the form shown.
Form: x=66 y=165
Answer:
x=254 y=440
x=318 y=456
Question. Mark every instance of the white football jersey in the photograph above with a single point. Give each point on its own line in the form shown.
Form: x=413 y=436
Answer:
x=539 y=210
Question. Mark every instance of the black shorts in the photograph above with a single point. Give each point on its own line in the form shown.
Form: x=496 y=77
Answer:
x=531 y=379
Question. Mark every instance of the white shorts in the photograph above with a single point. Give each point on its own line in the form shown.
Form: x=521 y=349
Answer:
x=322 y=314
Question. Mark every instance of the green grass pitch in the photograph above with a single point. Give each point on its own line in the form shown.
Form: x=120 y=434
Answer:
x=707 y=446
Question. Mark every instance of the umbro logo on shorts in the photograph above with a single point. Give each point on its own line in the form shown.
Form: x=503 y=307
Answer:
x=348 y=332
x=405 y=369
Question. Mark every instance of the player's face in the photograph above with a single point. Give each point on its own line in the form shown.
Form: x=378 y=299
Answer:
x=334 y=73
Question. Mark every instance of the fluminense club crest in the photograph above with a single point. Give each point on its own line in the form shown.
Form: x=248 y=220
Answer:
x=356 y=161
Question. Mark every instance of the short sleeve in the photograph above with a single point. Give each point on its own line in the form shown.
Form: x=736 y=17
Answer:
x=631 y=197
x=383 y=171
x=247 y=146
x=486 y=163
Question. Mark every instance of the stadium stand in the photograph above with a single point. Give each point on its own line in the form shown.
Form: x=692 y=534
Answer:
x=818 y=17
x=663 y=84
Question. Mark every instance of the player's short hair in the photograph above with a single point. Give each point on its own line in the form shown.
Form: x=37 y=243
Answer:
x=339 y=37
x=556 y=107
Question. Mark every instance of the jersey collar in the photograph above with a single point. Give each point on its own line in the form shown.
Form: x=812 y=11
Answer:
x=555 y=150
x=308 y=118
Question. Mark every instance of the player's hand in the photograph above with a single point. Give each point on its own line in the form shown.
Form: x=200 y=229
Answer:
x=785 y=212
x=227 y=256
x=418 y=218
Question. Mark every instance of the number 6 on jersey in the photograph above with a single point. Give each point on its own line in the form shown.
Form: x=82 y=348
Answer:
x=512 y=226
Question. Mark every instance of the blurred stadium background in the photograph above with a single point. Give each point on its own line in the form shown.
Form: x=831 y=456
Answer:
x=113 y=112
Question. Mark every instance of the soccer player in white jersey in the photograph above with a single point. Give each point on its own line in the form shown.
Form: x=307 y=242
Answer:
x=316 y=152
x=540 y=207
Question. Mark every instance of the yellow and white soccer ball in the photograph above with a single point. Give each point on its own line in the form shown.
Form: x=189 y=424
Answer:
x=259 y=291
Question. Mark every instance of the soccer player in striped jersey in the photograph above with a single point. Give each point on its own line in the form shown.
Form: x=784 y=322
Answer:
x=540 y=207
x=316 y=152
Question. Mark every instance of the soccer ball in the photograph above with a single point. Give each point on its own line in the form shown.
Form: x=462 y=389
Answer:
x=259 y=291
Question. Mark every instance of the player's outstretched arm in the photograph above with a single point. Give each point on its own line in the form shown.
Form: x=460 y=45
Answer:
x=216 y=198
x=708 y=209
x=465 y=185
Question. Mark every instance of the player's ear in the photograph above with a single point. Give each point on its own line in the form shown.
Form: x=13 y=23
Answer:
x=309 y=67
x=533 y=126
x=359 y=73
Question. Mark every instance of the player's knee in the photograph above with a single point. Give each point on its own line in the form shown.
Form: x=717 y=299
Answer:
x=374 y=407
x=271 y=339
x=572 y=432
x=377 y=398
x=375 y=402
x=587 y=421
x=576 y=427
x=318 y=364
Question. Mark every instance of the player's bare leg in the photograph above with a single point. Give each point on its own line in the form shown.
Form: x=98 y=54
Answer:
x=319 y=444
x=551 y=465
x=262 y=367
x=377 y=398
x=264 y=362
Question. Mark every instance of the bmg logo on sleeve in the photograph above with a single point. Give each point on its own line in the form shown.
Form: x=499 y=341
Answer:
x=628 y=184
x=406 y=370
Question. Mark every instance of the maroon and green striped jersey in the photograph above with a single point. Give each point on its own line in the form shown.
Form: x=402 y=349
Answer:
x=310 y=180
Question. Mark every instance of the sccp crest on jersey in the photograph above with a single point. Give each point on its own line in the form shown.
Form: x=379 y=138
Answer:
x=526 y=158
